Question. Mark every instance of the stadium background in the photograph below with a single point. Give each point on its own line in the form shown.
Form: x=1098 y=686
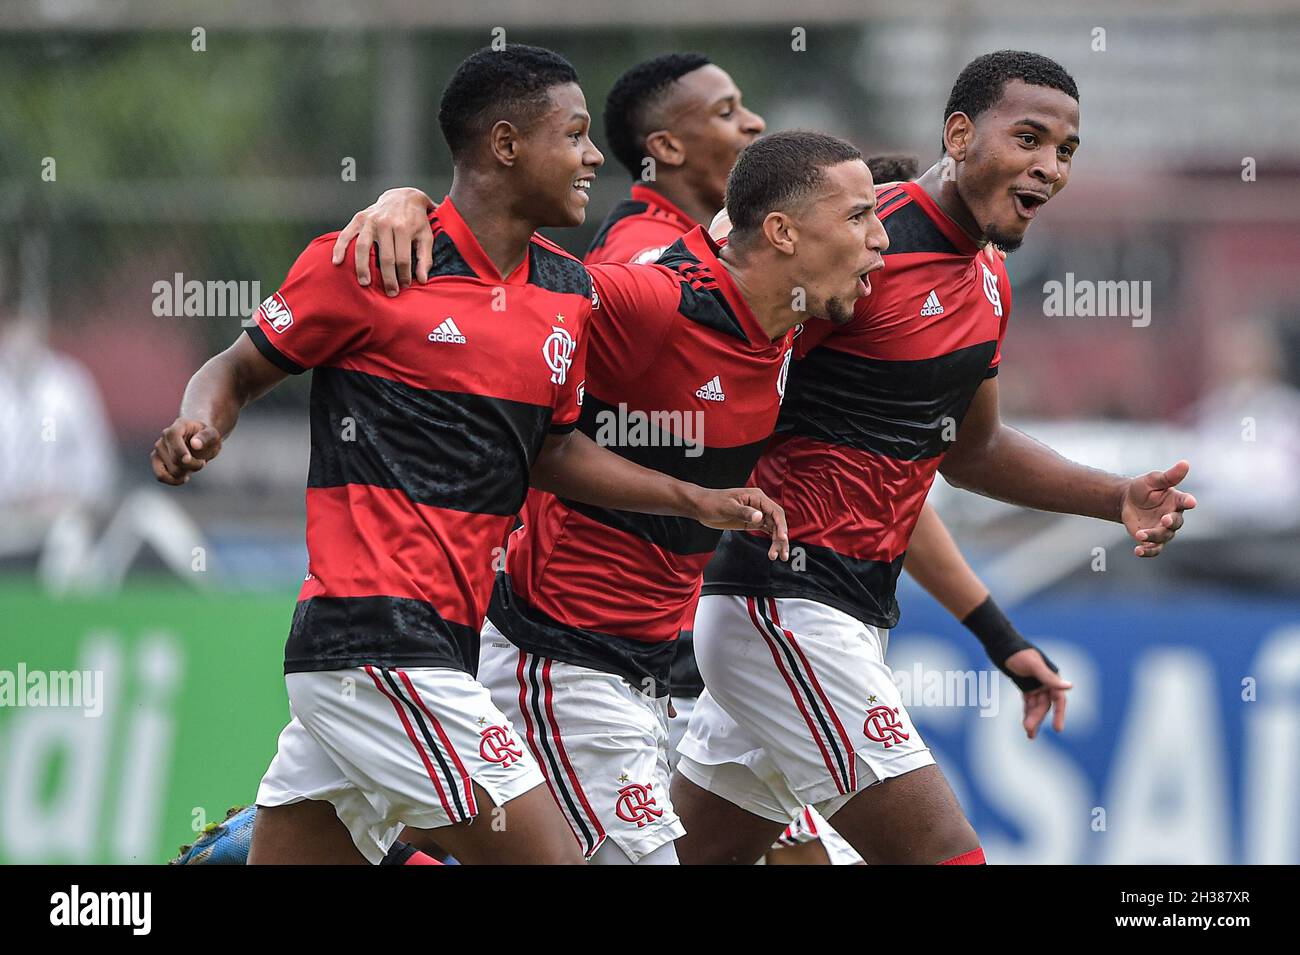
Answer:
x=131 y=157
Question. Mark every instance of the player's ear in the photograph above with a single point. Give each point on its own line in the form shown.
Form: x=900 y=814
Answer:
x=503 y=139
x=665 y=148
x=779 y=230
x=957 y=133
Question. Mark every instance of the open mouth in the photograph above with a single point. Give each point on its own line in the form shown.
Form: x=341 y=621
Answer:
x=864 y=283
x=582 y=186
x=1028 y=202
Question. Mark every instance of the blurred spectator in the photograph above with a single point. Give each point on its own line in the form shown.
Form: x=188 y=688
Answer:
x=1248 y=430
x=57 y=450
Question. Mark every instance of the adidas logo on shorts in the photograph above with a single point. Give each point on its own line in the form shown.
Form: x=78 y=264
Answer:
x=711 y=390
x=448 y=332
x=931 y=306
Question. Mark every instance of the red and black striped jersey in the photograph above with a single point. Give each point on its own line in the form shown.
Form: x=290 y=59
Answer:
x=638 y=229
x=872 y=408
x=680 y=378
x=427 y=412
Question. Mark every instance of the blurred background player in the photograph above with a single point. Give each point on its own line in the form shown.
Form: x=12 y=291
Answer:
x=800 y=706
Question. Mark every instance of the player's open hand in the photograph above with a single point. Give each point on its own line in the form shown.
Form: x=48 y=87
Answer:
x=745 y=509
x=1153 y=508
x=398 y=221
x=185 y=447
x=1050 y=692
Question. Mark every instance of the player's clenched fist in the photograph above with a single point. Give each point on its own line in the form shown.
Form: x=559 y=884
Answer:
x=183 y=448
x=745 y=508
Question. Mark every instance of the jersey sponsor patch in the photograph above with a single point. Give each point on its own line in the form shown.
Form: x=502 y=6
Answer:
x=276 y=312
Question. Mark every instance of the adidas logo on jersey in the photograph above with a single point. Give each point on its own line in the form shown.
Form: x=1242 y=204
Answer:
x=447 y=332
x=931 y=306
x=711 y=390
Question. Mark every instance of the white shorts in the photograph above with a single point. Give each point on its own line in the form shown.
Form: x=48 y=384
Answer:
x=394 y=747
x=800 y=707
x=811 y=826
x=601 y=743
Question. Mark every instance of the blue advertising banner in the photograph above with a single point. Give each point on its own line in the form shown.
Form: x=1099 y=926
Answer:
x=1182 y=739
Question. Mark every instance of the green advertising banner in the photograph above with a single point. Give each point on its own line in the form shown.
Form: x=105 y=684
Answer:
x=128 y=722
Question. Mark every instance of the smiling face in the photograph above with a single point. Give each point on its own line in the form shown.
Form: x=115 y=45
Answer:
x=839 y=242
x=705 y=114
x=1013 y=157
x=558 y=160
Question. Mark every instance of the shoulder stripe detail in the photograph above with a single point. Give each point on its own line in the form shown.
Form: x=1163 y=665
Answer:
x=702 y=300
x=911 y=229
x=888 y=192
x=896 y=201
x=557 y=271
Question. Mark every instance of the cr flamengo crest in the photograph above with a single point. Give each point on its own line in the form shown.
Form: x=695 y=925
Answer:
x=883 y=725
x=636 y=804
x=558 y=352
x=496 y=746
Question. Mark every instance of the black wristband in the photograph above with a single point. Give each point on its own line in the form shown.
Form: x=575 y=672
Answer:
x=1001 y=639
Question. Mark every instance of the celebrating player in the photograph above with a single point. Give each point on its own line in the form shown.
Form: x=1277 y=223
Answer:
x=800 y=707
x=430 y=414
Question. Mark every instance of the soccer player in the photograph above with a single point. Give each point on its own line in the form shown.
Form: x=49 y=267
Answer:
x=430 y=415
x=676 y=123
x=800 y=707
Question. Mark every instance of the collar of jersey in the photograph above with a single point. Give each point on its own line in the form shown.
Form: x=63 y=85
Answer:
x=956 y=235
x=654 y=197
x=467 y=245
x=702 y=246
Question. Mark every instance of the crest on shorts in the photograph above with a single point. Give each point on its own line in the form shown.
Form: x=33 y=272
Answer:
x=496 y=745
x=635 y=803
x=883 y=725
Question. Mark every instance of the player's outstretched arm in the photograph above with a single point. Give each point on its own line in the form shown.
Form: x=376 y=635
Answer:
x=397 y=222
x=935 y=562
x=1000 y=462
x=572 y=465
x=213 y=400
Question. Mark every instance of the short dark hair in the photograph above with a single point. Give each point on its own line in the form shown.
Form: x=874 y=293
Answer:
x=894 y=167
x=981 y=83
x=491 y=85
x=780 y=169
x=629 y=102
